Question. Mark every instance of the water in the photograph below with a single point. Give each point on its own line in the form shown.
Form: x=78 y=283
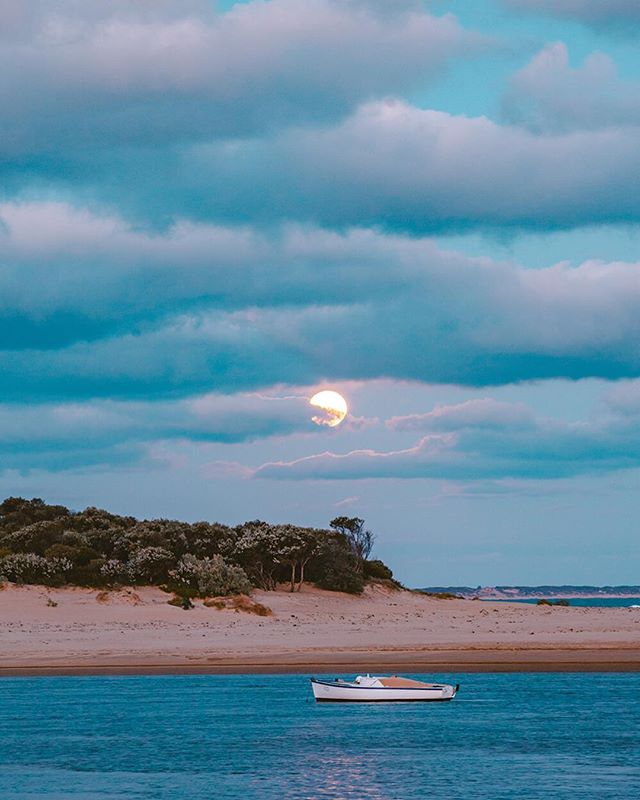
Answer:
x=608 y=602
x=506 y=737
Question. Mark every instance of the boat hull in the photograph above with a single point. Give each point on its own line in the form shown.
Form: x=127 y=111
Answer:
x=335 y=692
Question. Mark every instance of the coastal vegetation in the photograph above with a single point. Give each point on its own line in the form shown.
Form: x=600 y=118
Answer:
x=52 y=545
x=545 y=602
x=440 y=595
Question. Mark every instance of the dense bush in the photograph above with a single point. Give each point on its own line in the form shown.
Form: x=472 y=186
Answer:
x=377 y=569
x=562 y=602
x=49 y=544
x=32 y=568
x=149 y=564
x=209 y=577
x=338 y=568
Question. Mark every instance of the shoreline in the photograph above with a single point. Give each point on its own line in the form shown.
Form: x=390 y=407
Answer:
x=476 y=660
x=65 y=631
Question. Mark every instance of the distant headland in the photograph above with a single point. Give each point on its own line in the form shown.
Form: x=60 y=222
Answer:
x=532 y=592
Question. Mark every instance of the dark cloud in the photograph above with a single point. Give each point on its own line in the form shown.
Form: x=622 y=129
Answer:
x=71 y=276
x=404 y=168
x=277 y=112
x=64 y=435
x=204 y=308
x=104 y=76
x=389 y=165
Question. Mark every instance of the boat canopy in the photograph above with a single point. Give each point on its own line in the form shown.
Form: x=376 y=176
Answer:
x=367 y=680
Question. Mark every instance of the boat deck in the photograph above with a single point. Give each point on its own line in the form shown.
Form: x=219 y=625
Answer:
x=404 y=683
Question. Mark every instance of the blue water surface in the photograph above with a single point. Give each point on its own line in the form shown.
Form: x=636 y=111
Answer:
x=219 y=737
x=603 y=602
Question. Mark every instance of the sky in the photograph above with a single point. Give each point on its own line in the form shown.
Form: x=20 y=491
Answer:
x=211 y=211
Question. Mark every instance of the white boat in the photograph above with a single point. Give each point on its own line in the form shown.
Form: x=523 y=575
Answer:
x=368 y=688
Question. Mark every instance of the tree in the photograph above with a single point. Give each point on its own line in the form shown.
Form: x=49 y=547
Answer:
x=255 y=549
x=360 y=540
x=336 y=567
x=310 y=548
x=296 y=546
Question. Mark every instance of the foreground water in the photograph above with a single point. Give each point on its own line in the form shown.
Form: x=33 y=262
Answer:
x=505 y=737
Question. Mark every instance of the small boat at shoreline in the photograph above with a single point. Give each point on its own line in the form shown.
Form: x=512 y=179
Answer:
x=371 y=688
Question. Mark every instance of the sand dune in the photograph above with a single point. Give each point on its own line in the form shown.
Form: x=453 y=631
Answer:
x=81 y=630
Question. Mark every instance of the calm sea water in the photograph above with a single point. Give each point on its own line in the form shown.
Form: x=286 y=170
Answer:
x=609 y=602
x=506 y=737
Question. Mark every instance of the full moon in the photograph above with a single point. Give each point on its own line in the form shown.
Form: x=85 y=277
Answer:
x=333 y=406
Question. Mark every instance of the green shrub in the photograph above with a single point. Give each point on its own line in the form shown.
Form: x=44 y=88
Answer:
x=342 y=578
x=149 y=565
x=182 y=602
x=89 y=574
x=545 y=602
x=32 y=568
x=62 y=551
x=210 y=577
x=377 y=569
x=113 y=571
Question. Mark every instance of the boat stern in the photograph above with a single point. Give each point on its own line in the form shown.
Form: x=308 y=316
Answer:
x=449 y=692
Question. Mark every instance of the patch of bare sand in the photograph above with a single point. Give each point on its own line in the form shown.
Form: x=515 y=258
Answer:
x=73 y=629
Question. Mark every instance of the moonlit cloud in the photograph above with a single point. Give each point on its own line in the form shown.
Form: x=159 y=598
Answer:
x=480 y=413
x=472 y=445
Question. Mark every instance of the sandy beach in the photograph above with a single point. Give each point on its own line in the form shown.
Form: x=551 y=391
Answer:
x=76 y=631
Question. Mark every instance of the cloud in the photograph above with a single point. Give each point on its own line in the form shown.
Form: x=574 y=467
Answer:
x=118 y=75
x=276 y=112
x=476 y=447
x=405 y=169
x=64 y=265
x=624 y=399
x=60 y=435
x=90 y=307
x=549 y=95
x=347 y=502
x=479 y=413
x=622 y=16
